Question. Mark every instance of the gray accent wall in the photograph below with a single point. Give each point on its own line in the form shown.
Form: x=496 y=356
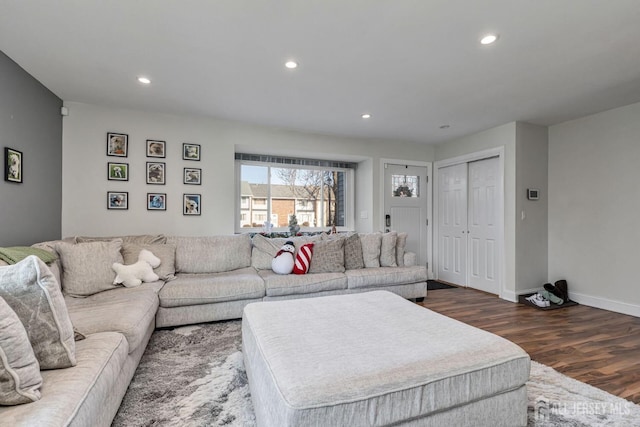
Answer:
x=30 y=122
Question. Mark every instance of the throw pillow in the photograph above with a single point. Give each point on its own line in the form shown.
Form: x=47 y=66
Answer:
x=328 y=257
x=20 y=378
x=86 y=267
x=371 y=249
x=388 y=249
x=32 y=292
x=167 y=254
x=401 y=243
x=264 y=248
x=303 y=259
x=353 y=259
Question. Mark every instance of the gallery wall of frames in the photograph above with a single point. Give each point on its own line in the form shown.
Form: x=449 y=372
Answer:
x=155 y=174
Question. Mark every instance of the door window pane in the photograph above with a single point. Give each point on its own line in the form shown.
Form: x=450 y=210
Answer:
x=405 y=185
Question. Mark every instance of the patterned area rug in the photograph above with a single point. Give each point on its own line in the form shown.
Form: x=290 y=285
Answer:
x=194 y=376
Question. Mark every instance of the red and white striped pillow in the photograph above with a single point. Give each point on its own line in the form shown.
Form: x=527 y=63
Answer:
x=303 y=259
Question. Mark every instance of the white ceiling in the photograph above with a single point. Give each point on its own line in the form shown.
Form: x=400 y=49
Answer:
x=413 y=64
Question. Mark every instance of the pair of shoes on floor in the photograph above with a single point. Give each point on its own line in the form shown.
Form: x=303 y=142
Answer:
x=539 y=300
x=559 y=289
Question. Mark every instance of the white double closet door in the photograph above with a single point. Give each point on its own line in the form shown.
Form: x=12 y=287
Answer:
x=469 y=196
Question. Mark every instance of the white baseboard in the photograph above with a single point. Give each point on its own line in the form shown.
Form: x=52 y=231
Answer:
x=606 y=304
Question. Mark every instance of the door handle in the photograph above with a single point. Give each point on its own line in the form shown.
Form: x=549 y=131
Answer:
x=387 y=220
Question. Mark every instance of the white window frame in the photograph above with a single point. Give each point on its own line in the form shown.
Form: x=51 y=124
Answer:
x=349 y=195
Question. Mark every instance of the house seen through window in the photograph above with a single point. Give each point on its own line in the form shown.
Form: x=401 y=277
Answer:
x=270 y=193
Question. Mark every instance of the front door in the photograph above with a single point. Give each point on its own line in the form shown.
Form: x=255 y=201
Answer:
x=405 y=205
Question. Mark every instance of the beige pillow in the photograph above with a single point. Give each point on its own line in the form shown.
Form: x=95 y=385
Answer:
x=32 y=293
x=371 y=243
x=167 y=254
x=143 y=239
x=328 y=256
x=87 y=267
x=388 y=249
x=20 y=378
x=401 y=243
x=353 y=259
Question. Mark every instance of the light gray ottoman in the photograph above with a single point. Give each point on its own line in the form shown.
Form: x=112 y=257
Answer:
x=376 y=359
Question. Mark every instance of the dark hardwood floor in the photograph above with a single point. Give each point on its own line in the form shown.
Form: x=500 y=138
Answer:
x=594 y=346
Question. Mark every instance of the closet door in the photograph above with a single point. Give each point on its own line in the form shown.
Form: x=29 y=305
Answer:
x=482 y=227
x=452 y=224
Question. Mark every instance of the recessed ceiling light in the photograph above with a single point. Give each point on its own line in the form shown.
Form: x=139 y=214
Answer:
x=144 y=80
x=366 y=116
x=489 y=38
x=445 y=126
x=291 y=64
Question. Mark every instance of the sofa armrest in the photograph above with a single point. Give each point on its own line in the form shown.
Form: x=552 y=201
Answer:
x=410 y=259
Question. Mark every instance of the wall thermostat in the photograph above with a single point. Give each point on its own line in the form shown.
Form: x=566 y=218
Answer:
x=533 y=194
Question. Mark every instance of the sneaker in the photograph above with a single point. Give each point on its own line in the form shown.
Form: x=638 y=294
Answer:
x=538 y=300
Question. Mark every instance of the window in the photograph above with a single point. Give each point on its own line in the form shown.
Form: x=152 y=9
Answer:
x=318 y=193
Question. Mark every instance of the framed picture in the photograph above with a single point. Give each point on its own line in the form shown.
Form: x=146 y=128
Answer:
x=191 y=204
x=155 y=148
x=156 y=201
x=118 y=171
x=117 y=144
x=155 y=173
x=191 y=152
x=117 y=200
x=12 y=165
x=192 y=176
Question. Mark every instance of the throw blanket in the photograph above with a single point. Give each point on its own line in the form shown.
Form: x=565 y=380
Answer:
x=18 y=253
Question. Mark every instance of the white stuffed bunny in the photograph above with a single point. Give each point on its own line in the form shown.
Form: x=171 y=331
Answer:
x=134 y=274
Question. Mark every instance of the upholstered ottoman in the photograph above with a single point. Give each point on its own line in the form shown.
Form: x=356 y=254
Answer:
x=375 y=359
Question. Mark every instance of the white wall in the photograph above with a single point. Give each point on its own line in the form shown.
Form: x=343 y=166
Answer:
x=594 y=200
x=532 y=158
x=85 y=181
x=501 y=136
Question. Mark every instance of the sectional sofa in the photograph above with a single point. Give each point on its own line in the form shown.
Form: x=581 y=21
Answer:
x=203 y=279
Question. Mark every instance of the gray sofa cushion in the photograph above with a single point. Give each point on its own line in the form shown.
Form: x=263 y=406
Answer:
x=264 y=248
x=32 y=292
x=20 y=378
x=288 y=284
x=384 y=276
x=129 y=311
x=353 y=252
x=401 y=243
x=68 y=392
x=388 y=249
x=211 y=254
x=87 y=267
x=194 y=289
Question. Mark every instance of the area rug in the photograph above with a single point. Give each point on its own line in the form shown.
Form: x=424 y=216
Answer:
x=194 y=376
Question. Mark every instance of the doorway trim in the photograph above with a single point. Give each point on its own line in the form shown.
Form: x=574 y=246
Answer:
x=429 y=166
x=466 y=158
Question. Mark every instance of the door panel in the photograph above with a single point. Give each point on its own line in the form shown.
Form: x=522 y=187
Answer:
x=452 y=223
x=483 y=232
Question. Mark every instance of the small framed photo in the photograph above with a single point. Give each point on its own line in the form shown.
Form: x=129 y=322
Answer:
x=156 y=173
x=191 y=204
x=117 y=144
x=155 y=148
x=192 y=176
x=117 y=200
x=118 y=171
x=156 y=201
x=12 y=165
x=191 y=152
